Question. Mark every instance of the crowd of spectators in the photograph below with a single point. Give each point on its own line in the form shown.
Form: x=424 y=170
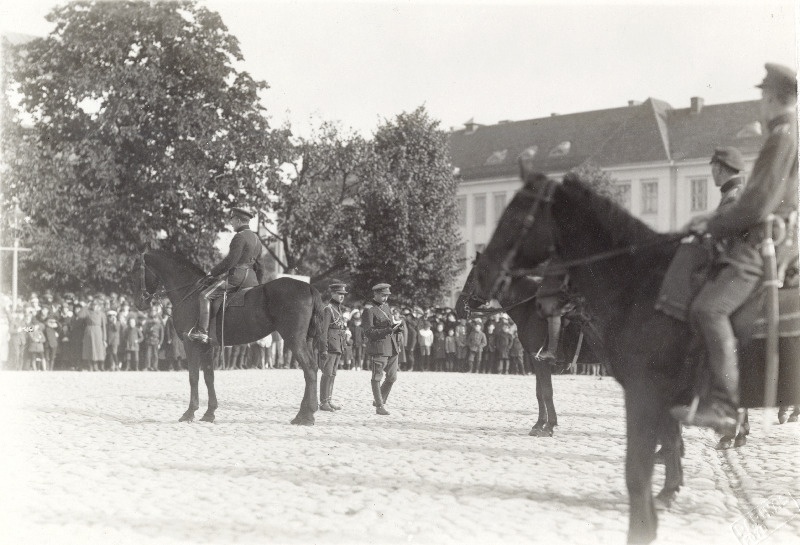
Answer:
x=105 y=332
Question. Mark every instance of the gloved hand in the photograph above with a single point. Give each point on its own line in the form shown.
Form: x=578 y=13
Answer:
x=207 y=280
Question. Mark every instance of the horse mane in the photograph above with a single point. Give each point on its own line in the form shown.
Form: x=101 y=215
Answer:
x=181 y=260
x=623 y=228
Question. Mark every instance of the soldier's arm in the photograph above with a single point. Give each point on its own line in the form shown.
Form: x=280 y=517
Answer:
x=234 y=253
x=763 y=192
x=327 y=316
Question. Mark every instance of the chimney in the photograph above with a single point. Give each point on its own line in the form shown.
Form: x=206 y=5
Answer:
x=553 y=114
x=471 y=126
x=634 y=103
x=697 y=105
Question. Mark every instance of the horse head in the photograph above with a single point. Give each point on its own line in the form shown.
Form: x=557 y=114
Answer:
x=469 y=300
x=523 y=237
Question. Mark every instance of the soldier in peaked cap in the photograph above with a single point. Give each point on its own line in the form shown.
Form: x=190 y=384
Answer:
x=772 y=189
x=332 y=344
x=237 y=270
x=382 y=347
x=727 y=168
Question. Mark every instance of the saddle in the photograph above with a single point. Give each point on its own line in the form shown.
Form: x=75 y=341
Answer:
x=234 y=299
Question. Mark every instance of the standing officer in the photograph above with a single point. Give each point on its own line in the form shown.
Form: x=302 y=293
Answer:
x=382 y=346
x=332 y=344
x=726 y=168
x=237 y=270
x=772 y=189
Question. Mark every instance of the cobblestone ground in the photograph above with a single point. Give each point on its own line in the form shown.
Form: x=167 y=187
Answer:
x=100 y=458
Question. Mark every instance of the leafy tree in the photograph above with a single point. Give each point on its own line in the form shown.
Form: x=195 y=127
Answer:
x=314 y=218
x=409 y=235
x=142 y=125
x=597 y=179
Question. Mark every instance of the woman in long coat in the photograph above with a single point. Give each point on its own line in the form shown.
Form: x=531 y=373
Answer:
x=94 y=337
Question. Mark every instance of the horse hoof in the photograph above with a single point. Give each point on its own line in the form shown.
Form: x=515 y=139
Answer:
x=724 y=443
x=303 y=421
x=663 y=500
x=187 y=417
x=740 y=441
x=782 y=418
x=207 y=417
x=792 y=418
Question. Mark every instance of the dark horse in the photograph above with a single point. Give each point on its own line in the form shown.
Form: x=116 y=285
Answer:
x=290 y=307
x=618 y=264
x=528 y=302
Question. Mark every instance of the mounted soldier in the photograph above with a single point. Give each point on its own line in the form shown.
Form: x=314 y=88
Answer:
x=772 y=189
x=236 y=271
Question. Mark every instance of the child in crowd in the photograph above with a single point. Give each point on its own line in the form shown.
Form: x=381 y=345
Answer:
x=112 y=340
x=153 y=337
x=461 y=344
x=503 y=340
x=51 y=342
x=450 y=350
x=476 y=342
x=34 y=351
x=132 y=336
x=425 y=343
x=515 y=354
x=438 y=350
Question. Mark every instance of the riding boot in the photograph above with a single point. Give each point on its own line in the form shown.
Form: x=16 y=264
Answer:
x=330 y=394
x=386 y=387
x=324 y=381
x=720 y=410
x=376 y=393
x=200 y=332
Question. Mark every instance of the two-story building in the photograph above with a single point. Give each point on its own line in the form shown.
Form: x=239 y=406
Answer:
x=658 y=155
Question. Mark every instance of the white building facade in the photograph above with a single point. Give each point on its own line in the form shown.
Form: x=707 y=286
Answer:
x=657 y=154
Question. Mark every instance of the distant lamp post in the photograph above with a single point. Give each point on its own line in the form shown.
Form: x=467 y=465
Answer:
x=17 y=218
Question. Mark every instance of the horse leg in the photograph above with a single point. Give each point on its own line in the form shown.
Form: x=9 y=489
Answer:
x=671 y=447
x=642 y=419
x=194 y=378
x=540 y=422
x=310 y=403
x=741 y=436
x=547 y=393
x=208 y=377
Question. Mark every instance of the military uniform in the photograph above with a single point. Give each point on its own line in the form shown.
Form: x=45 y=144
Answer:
x=332 y=346
x=237 y=270
x=382 y=347
x=772 y=189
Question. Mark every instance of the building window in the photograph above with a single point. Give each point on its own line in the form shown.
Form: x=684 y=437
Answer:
x=649 y=196
x=561 y=149
x=499 y=205
x=497 y=157
x=479 y=248
x=623 y=196
x=462 y=210
x=480 y=209
x=699 y=194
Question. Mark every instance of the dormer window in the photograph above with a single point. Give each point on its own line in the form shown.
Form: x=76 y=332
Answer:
x=750 y=130
x=497 y=157
x=561 y=150
x=529 y=152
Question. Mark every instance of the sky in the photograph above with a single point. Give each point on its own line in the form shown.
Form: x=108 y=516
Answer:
x=360 y=63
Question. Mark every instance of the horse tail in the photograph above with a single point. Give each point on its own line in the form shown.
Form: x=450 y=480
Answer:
x=315 y=326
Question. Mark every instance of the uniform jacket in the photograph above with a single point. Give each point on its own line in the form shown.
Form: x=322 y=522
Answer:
x=378 y=330
x=335 y=339
x=240 y=263
x=772 y=189
x=730 y=191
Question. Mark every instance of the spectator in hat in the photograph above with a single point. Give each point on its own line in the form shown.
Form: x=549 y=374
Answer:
x=727 y=168
x=237 y=270
x=94 y=336
x=476 y=342
x=132 y=337
x=331 y=344
x=412 y=328
x=153 y=337
x=771 y=190
x=382 y=345
x=51 y=334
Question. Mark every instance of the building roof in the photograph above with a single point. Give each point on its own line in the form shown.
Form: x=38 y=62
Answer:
x=640 y=133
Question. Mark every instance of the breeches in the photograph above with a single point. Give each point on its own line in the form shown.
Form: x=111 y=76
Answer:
x=722 y=296
x=328 y=367
x=216 y=289
x=384 y=365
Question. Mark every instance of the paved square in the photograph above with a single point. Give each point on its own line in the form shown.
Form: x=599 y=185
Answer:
x=100 y=458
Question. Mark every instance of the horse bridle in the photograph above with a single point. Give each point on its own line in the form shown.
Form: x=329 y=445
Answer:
x=542 y=199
